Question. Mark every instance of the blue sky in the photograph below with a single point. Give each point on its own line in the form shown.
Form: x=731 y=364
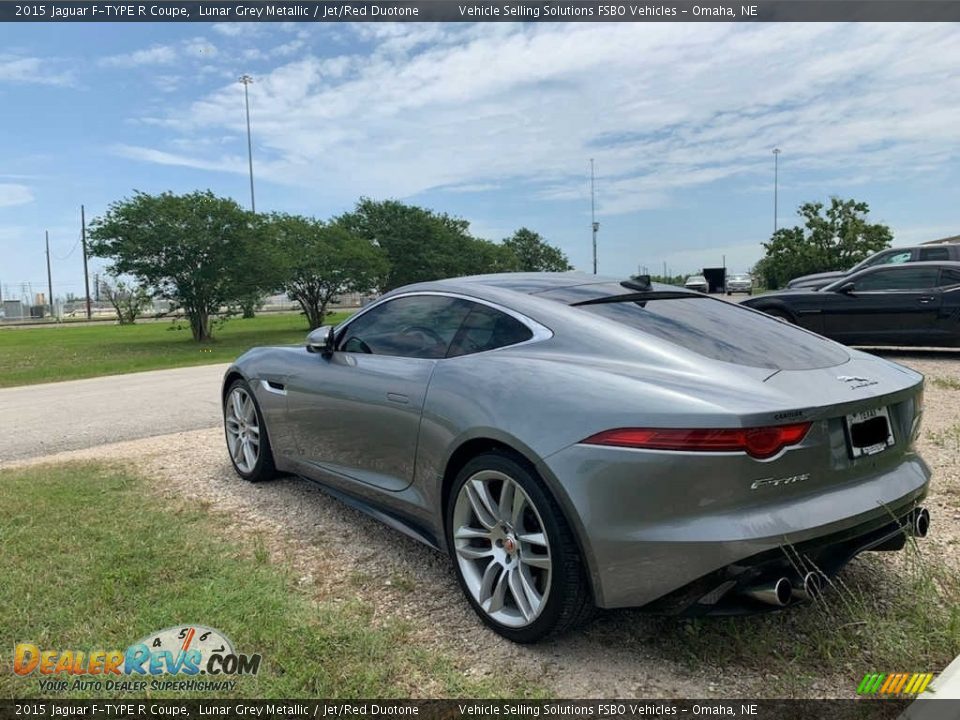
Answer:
x=495 y=123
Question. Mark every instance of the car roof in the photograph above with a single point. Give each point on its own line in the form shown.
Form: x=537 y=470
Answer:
x=953 y=264
x=546 y=284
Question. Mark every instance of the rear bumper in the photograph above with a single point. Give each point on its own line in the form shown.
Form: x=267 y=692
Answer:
x=640 y=546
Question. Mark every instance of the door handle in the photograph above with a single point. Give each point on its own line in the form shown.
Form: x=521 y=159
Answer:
x=398 y=398
x=926 y=299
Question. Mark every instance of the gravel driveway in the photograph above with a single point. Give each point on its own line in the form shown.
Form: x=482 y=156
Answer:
x=339 y=553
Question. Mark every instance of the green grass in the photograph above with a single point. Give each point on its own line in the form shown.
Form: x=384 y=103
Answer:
x=36 y=355
x=91 y=561
x=946 y=383
x=947 y=438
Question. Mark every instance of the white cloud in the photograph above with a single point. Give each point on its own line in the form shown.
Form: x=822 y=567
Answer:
x=12 y=194
x=662 y=107
x=31 y=70
x=156 y=55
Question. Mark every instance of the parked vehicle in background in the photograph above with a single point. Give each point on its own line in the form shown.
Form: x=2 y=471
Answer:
x=740 y=283
x=911 y=304
x=698 y=283
x=891 y=256
x=573 y=440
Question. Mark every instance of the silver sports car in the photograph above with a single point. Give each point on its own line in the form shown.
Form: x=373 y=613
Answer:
x=574 y=441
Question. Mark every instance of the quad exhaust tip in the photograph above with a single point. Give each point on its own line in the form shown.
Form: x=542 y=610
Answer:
x=810 y=586
x=921 y=523
x=775 y=593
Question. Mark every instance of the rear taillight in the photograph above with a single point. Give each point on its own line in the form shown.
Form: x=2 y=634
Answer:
x=760 y=442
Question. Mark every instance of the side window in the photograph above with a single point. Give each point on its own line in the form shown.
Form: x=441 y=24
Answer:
x=949 y=278
x=940 y=253
x=908 y=278
x=896 y=258
x=486 y=329
x=417 y=326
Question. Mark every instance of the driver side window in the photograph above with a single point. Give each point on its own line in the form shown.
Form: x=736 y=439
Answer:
x=417 y=326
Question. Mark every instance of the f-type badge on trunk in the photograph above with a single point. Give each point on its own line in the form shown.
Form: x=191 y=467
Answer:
x=775 y=482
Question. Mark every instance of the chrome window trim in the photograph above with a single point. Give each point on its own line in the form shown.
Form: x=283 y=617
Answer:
x=538 y=330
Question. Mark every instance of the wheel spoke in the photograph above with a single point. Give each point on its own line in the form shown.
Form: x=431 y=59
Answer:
x=537 y=561
x=533 y=539
x=508 y=493
x=529 y=588
x=253 y=429
x=249 y=455
x=472 y=553
x=498 y=595
x=469 y=533
x=238 y=451
x=519 y=594
x=482 y=503
x=516 y=512
x=487 y=582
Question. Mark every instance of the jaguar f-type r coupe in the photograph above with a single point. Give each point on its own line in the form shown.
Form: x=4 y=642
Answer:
x=574 y=441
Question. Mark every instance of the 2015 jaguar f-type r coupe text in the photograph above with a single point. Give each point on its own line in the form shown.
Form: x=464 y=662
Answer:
x=574 y=441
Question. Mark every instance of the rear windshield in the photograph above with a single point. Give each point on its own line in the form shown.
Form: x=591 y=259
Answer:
x=722 y=331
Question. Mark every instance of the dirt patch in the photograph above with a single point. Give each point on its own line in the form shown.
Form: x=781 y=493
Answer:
x=338 y=553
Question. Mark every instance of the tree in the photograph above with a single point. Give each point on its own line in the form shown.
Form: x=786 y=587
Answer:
x=835 y=239
x=421 y=244
x=128 y=301
x=322 y=260
x=197 y=250
x=534 y=254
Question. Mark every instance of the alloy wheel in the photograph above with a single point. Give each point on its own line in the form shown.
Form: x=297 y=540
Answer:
x=243 y=430
x=502 y=548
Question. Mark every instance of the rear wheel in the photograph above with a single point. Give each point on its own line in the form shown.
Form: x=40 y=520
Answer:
x=515 y=556
x=247 y=441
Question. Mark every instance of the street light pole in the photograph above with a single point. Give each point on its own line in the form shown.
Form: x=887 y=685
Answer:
x=246 y=80
x=776 y=180
x=593 y=217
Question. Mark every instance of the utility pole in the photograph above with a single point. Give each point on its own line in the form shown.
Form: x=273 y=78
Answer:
x=776 y=181
x=593 y=216
x=246 y=80
x=49 y=276
x=86 y=276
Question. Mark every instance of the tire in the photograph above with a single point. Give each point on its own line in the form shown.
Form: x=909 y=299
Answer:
x=245 y=431
x=493 y=553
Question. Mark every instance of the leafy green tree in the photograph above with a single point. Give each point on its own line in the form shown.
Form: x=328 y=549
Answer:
x=197 y=250
x=534 y=254
x=321 y=260
x=833 y=238
x=423 y=245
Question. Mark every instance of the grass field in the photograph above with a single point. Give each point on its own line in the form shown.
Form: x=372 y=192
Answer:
x=88 y=565
x=47 y=354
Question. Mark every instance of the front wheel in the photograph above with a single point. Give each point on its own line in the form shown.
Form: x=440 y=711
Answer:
x=515 y=556
x=247 y=441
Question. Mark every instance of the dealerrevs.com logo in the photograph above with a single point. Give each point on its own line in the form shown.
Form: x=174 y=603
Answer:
x=186 y=650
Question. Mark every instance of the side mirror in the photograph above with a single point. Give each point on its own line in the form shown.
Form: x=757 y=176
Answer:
x=846 y=288
x=321 y=340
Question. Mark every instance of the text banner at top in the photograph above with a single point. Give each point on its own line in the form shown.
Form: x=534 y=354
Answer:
x=496 y=11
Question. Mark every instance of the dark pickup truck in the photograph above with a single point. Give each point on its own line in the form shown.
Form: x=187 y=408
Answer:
x=890 y=256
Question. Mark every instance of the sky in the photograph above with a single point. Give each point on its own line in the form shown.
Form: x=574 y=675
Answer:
x=495 y=123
